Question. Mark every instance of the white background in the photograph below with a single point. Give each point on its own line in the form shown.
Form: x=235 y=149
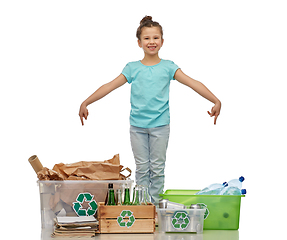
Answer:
x=54 y=54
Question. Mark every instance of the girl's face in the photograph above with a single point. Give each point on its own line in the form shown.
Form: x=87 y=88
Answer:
x=151 y=40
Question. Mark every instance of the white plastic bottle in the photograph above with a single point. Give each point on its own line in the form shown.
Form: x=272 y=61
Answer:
x=232 y=191
x=236 y=182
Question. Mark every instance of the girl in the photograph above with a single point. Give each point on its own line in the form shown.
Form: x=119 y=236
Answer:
x=149 y=116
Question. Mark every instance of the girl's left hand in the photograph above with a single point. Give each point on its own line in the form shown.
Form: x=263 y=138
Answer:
x=215 y=111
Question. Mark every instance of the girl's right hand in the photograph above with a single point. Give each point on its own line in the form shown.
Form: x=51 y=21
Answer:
x=83 y=113
x=215 y=111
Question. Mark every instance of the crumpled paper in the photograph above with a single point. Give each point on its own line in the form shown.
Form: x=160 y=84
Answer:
x=48 y=174
x=86 y=170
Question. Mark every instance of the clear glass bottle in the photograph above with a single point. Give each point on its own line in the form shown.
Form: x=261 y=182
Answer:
x=119 y=196
x=145 y=195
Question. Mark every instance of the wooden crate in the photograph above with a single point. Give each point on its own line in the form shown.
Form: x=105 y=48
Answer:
x=126 y=219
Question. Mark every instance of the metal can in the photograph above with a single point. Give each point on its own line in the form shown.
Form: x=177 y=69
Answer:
x=195 y=206
x=165 y=203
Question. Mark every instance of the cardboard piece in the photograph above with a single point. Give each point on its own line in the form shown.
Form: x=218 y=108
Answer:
x=75 y=226
x=35 y=163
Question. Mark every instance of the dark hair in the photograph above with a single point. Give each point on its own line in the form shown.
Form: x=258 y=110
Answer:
x=147 y=22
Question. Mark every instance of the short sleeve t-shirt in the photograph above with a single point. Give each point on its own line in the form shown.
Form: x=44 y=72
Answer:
x=150 y=92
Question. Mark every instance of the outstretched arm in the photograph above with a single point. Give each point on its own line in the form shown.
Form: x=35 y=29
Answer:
x=100 y=93
x=200 y=89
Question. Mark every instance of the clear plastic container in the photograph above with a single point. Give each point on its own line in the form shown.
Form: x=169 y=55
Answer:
x=180 y=220
x=73 y=198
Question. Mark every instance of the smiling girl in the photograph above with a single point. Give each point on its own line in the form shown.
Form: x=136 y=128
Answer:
x=149 y=116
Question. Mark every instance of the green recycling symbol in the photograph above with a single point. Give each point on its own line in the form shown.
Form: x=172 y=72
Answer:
x=124 y=214
x=206 y=211
x=180 y=220
x=77 y=206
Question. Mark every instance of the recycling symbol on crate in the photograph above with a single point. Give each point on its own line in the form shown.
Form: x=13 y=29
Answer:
x=121 y=219
x=85 y=197
x=180 y=220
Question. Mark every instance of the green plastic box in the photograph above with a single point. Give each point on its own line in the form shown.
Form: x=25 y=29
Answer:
x=222 y=213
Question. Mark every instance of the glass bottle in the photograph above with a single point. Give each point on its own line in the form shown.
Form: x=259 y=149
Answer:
x=145 y=195
x=137 y=195
x=127 y=200
x=119 y=197
x=111 y=196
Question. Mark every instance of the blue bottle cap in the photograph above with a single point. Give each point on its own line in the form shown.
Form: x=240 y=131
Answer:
x=241 y=179
x=243 y=191
x=225 y=184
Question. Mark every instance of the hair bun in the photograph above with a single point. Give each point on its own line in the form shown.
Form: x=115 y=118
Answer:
x=145 y=19
x=147 y=22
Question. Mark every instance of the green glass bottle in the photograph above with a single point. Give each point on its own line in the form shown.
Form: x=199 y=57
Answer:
x=111 y=197
x=127 y=197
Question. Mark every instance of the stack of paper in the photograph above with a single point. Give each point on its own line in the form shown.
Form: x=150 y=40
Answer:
x=85 y=226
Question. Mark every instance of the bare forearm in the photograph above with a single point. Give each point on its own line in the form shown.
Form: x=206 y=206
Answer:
x=197 y=86
x=202 y=90
x=105 y=89
x=98 y=94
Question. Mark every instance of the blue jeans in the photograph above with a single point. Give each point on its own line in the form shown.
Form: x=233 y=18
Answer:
x=149 y=147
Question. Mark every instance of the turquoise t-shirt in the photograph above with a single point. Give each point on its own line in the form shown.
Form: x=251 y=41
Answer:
x=150 y=92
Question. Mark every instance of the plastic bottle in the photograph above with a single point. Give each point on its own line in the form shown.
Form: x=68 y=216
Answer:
x=212 y=189
x=111 y=196
x=236 y=182
x=232 y=191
